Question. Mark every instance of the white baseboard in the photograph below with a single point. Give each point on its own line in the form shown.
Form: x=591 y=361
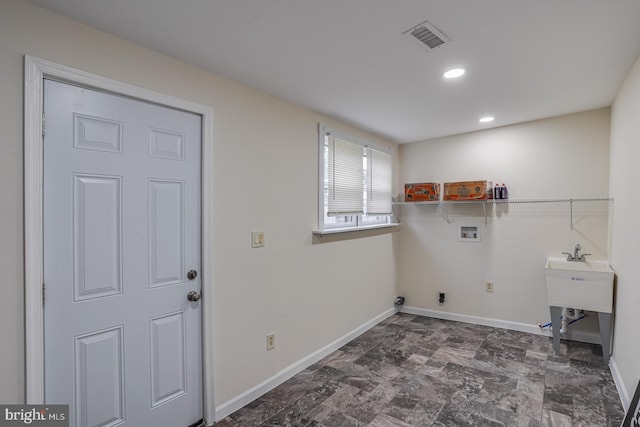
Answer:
x=625 y=399
x=233 y=404
x=588 y=337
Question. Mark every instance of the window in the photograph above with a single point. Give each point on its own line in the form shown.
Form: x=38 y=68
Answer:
x=354 y=184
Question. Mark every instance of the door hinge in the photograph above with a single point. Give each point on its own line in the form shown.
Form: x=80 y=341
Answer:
x=44 y=288
x=44 y=121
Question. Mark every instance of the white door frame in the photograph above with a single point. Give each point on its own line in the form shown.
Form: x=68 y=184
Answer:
x=35 y=70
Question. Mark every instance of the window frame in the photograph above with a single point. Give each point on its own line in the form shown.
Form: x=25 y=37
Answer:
x=356 y=222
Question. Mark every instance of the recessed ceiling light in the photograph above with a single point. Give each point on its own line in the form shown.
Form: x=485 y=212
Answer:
x=454 y=73
x=486 y=119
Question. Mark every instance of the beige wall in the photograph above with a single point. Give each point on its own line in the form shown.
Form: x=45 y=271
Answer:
x=561 y=157
x=625 y=173
x=287 y=287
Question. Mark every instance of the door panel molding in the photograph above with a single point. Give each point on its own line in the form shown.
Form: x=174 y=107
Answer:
x=108 y=190
x=104 y=349
x=35 y=71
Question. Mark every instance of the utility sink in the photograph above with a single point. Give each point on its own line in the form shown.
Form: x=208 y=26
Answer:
x=586 y=285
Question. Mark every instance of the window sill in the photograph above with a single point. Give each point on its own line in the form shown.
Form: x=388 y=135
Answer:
x=341 y=230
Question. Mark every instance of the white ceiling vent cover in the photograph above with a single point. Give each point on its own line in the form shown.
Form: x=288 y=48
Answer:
x=427 y=35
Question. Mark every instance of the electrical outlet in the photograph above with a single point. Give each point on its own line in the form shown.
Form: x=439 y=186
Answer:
x=271 y=341
x=488 y=287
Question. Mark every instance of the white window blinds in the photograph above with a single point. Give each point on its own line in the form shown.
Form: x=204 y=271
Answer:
x=344 y=177
x=378 y=182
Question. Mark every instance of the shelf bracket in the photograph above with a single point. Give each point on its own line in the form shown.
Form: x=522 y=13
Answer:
x=571 y=214
x=445 y=214
x=484 y=207
x=395 y=212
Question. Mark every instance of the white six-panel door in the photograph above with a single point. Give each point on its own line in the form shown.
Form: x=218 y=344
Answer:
x=121 y=232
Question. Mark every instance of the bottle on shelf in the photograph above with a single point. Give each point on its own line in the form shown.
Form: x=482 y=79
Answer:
x=497 y=192
x=504 y=193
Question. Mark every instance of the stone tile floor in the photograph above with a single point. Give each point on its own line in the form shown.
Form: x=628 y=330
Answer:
x=420 y=371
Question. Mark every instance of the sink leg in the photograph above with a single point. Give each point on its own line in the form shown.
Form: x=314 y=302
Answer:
x=556 y=314
x=604 y=319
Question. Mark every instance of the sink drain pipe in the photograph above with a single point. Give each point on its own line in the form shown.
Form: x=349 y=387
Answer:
x=569 y=314
x=578 y=315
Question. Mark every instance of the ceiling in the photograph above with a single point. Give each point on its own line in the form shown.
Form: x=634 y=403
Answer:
x=350 y=59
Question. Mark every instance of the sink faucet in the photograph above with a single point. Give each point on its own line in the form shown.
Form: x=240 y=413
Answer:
x=576 y=251
x=576 y=255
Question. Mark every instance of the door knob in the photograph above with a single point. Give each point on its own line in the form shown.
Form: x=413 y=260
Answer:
x=193 y=296
x=192 y=274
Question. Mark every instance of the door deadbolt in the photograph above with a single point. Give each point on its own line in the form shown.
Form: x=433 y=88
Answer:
x=193 y=296
x=192 y=274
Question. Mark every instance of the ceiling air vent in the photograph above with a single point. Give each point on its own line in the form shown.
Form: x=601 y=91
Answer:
x=427 y=35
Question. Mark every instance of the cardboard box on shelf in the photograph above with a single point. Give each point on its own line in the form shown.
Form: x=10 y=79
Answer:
x=468 y=190
x=422 y=192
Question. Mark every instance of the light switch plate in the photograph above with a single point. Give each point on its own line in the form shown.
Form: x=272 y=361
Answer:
x=257 y=239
